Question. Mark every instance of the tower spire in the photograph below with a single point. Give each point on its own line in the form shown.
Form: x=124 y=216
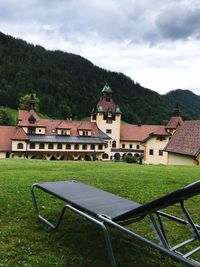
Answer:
x=32 y=102
x=176 y=112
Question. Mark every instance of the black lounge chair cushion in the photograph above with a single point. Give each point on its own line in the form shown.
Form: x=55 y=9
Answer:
x=89 y=199
x=98 y=202
x=164 y=201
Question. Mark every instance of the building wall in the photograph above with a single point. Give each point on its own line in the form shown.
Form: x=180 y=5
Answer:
x=15 y=144
x=114 y=127
x=40 y=130
x=155 y=145
x=128 y=144
x=89 y=132
x=2 y=155
x=178 y=159
x=59 y=131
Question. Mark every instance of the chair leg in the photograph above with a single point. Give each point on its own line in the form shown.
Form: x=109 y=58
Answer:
x=105 y=233
x=37 y=210
x=86 y=216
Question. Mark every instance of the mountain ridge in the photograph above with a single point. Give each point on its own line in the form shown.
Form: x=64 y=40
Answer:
x=69 y=84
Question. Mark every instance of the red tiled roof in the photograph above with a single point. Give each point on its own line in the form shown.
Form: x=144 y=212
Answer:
x=23 y=115
x=85 y=125
x=64 y=125
x=51 y=125
x=20 y=134
x=186 y=139
x=6 y=134
x=174 y=122
x=107 y=105
x=131 y=132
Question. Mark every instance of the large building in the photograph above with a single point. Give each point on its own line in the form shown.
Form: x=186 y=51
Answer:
x=103 y=138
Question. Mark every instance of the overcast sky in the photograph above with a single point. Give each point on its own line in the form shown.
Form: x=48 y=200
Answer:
x=155 y=42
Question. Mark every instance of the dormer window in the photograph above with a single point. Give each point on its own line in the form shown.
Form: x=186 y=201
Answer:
x=85 y=133
x=32 y=119
x=63 y=131
x=31 y=130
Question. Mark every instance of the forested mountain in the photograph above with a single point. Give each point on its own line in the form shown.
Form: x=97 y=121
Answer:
x=189 y=102
x=66 y=83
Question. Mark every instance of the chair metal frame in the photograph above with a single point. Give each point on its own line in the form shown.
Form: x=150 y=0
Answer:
x=156 y=219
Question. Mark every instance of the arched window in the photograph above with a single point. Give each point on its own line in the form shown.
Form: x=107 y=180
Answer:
x=50 y=146
x=105 y=156
x=114 y=144
x=59 y=146
x=20 y=146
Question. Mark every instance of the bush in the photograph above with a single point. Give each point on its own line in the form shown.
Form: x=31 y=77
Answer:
x=6 y=118
x=130 y=159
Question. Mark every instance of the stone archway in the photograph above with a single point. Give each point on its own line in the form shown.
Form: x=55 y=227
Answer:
x=53 y=158
x=117 y=156
x=87 y=158
x=80 y=157
x=105 y=156
x=38 y=157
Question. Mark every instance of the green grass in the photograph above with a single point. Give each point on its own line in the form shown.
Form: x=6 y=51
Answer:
x=26 y=241
x=14 y=113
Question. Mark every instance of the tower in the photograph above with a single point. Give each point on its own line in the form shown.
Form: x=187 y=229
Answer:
x=175 y=120
x=107 y=116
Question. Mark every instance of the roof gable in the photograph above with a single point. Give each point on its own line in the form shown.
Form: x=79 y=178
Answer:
x=186 y=139
x=140 y=133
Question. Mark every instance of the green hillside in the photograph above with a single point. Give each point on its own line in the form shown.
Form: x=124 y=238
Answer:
x=13 y=116
x=67 y=83
x=189 y=103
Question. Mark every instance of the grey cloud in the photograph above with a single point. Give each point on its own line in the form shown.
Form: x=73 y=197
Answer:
x=179 y=22
x=141 y=21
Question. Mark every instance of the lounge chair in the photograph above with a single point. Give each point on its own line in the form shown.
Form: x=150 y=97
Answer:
x=103 y=208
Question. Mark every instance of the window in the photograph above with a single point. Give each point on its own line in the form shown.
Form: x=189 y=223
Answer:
x=68 y=146
x=94 y=116
x=109 y=121
x=160 y=138
x=31 y=130
x=41 y=146
x=63 y=132
x=105 y=156
x=85 y=133
x=160 y=153
x=123 y=145
x=100 y=147
x=150 y=151
x=31 y=119
x=20 y=146
x=76 y=146
x=106 y=144
x=92 y=147
x=50 y=146
x=138 y=146
x=108 y=131
x=84 y=147
x=114 y=144
x=59 y=146
x=130 y=146
x=32 y=145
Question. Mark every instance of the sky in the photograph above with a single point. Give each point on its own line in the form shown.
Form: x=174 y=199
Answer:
x=155 y=42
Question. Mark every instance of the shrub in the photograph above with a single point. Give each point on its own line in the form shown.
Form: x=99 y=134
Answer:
x=130 y=159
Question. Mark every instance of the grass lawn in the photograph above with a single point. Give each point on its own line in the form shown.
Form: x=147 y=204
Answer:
x=26 y=241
